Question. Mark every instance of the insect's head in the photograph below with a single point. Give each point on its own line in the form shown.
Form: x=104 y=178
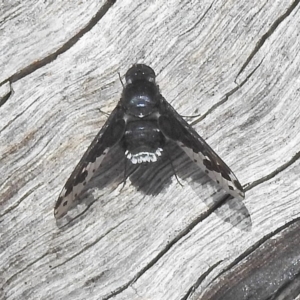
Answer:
x=139 y=72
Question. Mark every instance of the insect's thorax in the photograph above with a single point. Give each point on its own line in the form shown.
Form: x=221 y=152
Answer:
x=140 y=99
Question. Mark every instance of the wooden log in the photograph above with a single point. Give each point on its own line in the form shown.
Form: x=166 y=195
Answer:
x=236 y=64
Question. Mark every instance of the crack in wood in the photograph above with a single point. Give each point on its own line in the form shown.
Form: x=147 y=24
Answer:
x=226 y=96
x=255 y=183
x=264 y=37
x=198 y=21
x=195 y=286
x=48 y=59
x=181 y=235
x=288 y=289
x=89 y=245
x=254 y=247
x=8 y=281
x=16 y=204
x=5 y=92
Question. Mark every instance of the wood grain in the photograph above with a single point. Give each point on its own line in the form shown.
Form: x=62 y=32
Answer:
x=236 y=64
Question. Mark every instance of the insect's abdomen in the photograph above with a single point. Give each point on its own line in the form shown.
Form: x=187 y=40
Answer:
x=143 y=141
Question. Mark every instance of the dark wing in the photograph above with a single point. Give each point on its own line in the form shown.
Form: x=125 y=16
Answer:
x=174 y=127
x=109 y=135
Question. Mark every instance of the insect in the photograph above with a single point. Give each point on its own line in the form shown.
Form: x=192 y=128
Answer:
x=142 y=123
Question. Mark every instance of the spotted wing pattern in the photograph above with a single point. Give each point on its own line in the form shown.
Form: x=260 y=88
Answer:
x=174 y=127
x=109 y=135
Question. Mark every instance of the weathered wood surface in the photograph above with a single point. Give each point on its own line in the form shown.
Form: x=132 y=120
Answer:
x=236 y=63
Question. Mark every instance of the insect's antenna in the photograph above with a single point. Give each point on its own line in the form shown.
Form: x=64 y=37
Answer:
x=121 y=79
x=171 y=163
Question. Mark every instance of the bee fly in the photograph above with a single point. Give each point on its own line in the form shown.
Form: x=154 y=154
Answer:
x=142 y=122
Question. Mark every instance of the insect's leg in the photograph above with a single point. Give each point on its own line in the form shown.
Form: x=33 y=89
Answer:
x=121 y=80
x=171 y=163
x=125 y=169
x=102 y=111
x=192 y=116
x=125 y=172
